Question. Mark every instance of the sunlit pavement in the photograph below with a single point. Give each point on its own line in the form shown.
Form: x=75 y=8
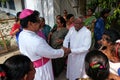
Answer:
x=4 y=56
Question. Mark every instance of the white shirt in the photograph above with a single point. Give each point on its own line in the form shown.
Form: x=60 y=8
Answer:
x=35 y=48
x=114 y=67
x=80 y=42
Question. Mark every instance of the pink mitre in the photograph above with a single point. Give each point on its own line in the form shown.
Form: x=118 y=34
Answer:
x=25 y=13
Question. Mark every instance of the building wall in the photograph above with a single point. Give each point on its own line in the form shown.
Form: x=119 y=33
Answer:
x=61 y=5
x=48 y=9
x=45 y=7
x=18 y=5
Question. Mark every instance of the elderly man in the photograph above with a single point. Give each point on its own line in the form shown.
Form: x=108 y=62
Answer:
x=78 y=40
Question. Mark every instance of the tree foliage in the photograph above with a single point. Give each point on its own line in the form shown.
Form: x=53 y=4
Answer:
x=3 y=0
x=114 y=5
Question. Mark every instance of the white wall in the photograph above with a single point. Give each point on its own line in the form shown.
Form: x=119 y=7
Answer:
x=29 y=4
x=61 y=5
x=45 y=7
x=18 y=5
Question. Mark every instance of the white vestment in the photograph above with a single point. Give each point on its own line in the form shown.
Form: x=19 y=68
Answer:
x=35 y=48
x=80 y=42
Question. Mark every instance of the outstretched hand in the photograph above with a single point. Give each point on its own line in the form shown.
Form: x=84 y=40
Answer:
x=67 y=51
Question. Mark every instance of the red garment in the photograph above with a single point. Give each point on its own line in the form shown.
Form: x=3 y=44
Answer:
x=15 y=26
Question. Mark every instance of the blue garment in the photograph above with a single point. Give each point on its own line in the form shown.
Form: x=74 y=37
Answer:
x=119 y=71
x=46 y=30
x=17 y=35
x=99 y=29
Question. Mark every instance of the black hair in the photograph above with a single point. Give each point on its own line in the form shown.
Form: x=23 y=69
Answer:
x=58 y=16
x=65 y=11
x=62 y=20
x=91 y=9
x=31 y=18
x=97 y=65
x=42 y=18
x=69 y=16
x=17 y=16
x=104 y=11
x=2 y=72
x=17 y=67
x=112 y=34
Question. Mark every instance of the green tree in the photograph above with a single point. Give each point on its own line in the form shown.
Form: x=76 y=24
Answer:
x=3 y=0
x=114 y=5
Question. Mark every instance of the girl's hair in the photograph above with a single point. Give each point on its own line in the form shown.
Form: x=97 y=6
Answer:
x=69 y=16
x=92 y=10
x=31 y=18
x=62 y=20
x=113 y=35
x=2 y=72
x=17 y=67
x=96 y=65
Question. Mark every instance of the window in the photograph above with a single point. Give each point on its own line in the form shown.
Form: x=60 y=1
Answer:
x=11 y=4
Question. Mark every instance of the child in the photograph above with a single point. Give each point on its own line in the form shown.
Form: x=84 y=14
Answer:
x=97 y=65
x=16 y=29
x=111 y=49
x=19 y=67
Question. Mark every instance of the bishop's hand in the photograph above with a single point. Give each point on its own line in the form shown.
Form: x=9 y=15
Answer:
x=67 y=51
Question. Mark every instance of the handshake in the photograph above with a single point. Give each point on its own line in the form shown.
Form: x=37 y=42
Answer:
x=67 y=51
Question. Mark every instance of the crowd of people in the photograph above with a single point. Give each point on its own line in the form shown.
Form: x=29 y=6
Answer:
x=90 y=51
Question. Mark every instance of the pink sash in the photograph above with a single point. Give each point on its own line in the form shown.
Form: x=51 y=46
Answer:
x=40 y=62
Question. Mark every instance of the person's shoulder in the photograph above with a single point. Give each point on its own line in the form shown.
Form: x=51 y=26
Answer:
x=87 y=30
x=48 y=26
x=100 y=19
x=64 y=28
x=72 y=28
x=93 y=16
x=16 y=25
